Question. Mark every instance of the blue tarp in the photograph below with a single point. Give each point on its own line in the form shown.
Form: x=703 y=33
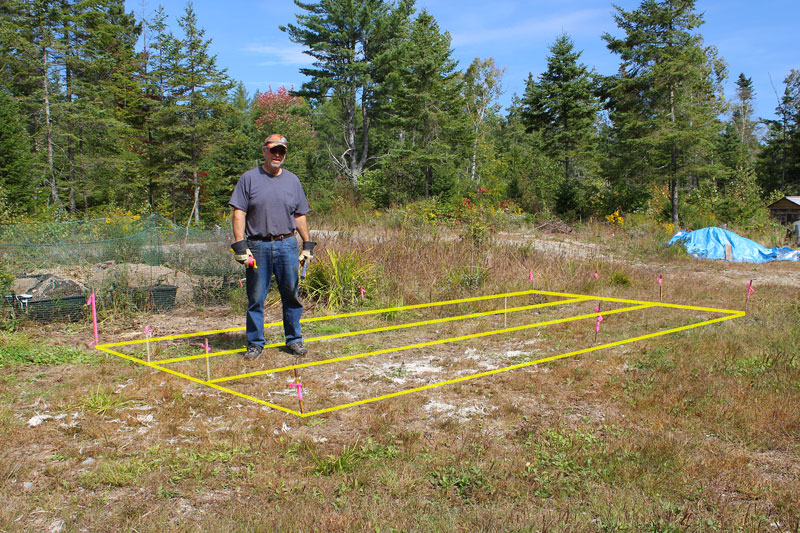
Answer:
x=709 y=243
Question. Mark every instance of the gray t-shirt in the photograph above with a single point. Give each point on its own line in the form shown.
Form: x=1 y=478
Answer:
x=271 y=202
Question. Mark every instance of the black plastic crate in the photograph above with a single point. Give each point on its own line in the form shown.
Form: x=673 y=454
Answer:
x=62 y=308
x=158 y=298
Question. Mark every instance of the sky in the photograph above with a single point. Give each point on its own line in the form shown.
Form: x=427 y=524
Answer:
x=757 y=38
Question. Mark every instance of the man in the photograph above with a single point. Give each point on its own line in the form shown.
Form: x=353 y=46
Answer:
x=269 y=205
x=796 y=231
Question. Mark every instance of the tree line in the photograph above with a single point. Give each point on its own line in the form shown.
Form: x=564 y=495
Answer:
x=91 y=123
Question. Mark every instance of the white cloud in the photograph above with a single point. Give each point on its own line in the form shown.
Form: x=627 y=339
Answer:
x=274 y=85
x=279 y=55
x=546 y=28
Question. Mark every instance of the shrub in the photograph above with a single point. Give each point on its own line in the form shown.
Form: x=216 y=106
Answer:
x=6 y=279
x=620 y=279
x=338 y=280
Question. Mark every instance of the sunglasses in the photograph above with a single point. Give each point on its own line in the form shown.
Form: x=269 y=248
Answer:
x=280 y=150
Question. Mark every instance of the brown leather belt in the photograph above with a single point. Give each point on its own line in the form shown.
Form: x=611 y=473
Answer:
x=269 y=238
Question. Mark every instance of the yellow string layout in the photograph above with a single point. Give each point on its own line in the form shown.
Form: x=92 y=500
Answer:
x=634 y=305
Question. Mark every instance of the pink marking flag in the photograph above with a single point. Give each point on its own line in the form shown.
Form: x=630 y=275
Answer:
x=299 y=387
x=595 y=274
x=530 y=276
x=750 y=289
x=363 y=292
x=597 y=323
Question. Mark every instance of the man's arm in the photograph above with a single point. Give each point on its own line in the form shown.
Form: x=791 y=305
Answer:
x=238 y=224
x=302 y=227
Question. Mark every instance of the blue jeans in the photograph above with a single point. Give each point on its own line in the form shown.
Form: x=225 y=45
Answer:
x=281 y=259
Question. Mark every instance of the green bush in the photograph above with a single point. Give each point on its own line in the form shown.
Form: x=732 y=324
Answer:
x=337 y=281
x=6 y=279
x=620 y=279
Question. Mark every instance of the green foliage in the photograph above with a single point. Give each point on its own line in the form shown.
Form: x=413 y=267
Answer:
x=655 y=359
x=619 y=279
x=337 y=280
x=466 y=480
x=468 y=279
x=350 y=457
x=17 y=349
x=666 y=99
x=779 y=162
x=387 y=112
x=420 y=118
x=114 y=473
x=562 y=106
x=103 y=401
x=345 y=462
x=576 y=199
x=16 y=186
x=354 y=47
x=6 y=279
x=482 y=86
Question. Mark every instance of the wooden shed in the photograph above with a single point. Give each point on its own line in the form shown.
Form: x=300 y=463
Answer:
x=786 y=210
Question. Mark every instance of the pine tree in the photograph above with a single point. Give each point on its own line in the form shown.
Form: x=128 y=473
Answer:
x=352 y=43
x=562 y=105
x=744 y=121
x=16 y=186
x=201 y=90
x=102 y=95
x=420 y=116
x=190 y=105
x=779 y=164
x=157 y=147
x=664 y=102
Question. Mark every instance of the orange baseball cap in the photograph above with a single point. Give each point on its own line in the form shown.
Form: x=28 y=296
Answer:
x=276 y=139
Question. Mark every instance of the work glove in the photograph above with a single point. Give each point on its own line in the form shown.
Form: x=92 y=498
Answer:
x=308 y=251
x=242 y=253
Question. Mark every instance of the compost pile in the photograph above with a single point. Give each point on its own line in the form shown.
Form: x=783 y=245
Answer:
x=52 y=286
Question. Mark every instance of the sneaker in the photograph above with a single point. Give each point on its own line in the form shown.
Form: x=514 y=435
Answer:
x=298 y=349
x=253 y=351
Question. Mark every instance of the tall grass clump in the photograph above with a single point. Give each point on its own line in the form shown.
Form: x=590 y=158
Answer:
x=103 y=401
x=341 y=279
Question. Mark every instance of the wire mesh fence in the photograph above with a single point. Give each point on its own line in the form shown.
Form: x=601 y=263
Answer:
x=130 y=262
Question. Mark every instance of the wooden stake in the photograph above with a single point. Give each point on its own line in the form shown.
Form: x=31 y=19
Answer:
x=208 y=365
x=147 y=332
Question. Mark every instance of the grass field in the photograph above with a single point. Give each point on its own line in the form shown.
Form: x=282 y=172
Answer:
x=697 y=430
